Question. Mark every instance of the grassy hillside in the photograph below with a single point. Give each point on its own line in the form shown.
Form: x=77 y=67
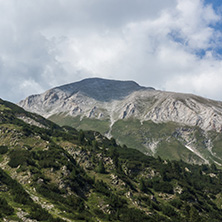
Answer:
x=167 y=140
x=53 y=173
x=101 y=126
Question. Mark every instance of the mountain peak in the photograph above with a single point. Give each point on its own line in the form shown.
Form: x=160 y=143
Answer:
x=137 y=116
x=102 y=89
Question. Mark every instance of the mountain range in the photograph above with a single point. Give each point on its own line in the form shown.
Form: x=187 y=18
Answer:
x=167 y=124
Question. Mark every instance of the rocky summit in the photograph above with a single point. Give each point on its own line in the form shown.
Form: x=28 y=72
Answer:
x=133 y=114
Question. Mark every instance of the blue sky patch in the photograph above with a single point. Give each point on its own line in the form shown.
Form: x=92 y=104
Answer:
x=215 y=3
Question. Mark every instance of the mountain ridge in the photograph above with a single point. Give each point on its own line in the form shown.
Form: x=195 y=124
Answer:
x=100 y=89
x=81 y=98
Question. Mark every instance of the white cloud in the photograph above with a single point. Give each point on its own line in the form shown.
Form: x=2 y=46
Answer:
x=204 y=84
x=156 y=43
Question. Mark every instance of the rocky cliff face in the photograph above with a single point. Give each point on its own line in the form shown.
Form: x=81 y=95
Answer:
x=115 y=100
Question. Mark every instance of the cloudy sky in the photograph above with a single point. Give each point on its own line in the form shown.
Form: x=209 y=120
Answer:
x=173 y=45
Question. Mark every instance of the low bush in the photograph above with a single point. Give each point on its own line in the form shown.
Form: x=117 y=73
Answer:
x=3 y=149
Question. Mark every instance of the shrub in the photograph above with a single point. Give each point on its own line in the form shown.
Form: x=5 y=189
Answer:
x=132 y=214
x=176 y=203
x=101 y=187
x=169 y=211
x=5 y=209
x=3 y=149
x=18 y=157
x=187 y=196
x=101 y=168
x=165 y=187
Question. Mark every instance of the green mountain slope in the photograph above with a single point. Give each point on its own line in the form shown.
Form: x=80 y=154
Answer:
x=170 y=140
x=52 y=173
